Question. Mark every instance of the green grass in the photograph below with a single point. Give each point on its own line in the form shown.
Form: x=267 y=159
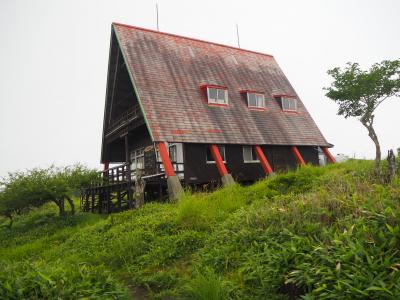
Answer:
x=315 y=233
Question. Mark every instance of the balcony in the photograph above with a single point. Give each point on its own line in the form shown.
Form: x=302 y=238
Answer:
x=130 y=119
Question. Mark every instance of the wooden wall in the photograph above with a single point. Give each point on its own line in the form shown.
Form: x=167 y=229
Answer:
x=281 y=159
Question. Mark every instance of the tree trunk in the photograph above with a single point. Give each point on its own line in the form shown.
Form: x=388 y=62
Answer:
x=374 y=138
x=61 y=207
x=9 y=215
x=71 y=204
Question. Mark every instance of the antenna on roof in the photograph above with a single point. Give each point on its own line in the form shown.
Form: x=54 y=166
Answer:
x=158 y=29
x=237 y=34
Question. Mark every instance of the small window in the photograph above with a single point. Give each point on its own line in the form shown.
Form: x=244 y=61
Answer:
x=249 y=155
x=217 y=95
x=173 y=153
x=289 y=104
x=255 y=100
x=210 y=158
x=137 y=159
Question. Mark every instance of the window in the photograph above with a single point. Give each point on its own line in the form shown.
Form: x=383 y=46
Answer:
x=137 y=159
x=249 y=155
x=173 y=153
x=210 y=158
x=217 y=95
x=289 y=104
x=255 y=100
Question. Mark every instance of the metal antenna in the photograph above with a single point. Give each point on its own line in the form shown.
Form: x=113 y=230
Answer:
x=158 y=29
x=237 y=34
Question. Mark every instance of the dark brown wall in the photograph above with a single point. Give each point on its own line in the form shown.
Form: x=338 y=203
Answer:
x=138 y=138
x=281 y=159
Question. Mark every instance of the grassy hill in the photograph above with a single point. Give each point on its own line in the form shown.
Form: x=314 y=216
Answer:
x=317 y=233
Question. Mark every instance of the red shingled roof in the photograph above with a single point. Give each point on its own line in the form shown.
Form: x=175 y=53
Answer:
x=169 y=70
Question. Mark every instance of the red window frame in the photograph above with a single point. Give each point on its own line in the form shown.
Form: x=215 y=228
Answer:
x=280 y=96
x=246 y=94
x=205 y=87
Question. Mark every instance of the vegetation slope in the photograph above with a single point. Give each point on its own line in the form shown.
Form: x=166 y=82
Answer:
x=315 y=233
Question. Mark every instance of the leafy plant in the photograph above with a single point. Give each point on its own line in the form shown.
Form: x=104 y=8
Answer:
x=359 y=93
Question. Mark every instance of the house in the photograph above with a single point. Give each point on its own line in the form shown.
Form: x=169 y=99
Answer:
x=185 y=112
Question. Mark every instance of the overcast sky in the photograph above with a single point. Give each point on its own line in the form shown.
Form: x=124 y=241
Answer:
x=54 y=55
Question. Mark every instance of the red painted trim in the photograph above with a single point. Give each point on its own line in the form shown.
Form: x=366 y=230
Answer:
x=222 y=87
x=218 y=160
x=189 y=38
x=169 y=170
x=298 y=156
x=251 y=91
x=204 y=91
x=180 y=131
x=217 y=104
x=284 y=95
x=214 y=131
x=106 y=165
x=328 y=155
x=257 y=108
x=289 y=112
x=263 y=160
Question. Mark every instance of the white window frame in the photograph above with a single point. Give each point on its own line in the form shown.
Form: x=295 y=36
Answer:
x=173 y=151
x=217 y=101
x=221 y=152
x=135 y=156
x=257 y=95
x=293 y=100
x=253 y=159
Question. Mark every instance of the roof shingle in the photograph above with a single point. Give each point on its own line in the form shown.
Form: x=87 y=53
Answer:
x=168 y=71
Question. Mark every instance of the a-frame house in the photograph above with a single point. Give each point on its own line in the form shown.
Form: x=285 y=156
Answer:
x=186 y=112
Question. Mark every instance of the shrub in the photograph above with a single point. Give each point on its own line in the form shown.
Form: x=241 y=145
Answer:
x=21 y=191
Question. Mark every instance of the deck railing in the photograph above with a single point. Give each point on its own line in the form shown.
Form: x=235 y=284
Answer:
x=124 y=119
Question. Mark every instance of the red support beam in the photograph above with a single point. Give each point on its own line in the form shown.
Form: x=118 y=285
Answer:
x=328 y=155
x=169 y=169
x=263 y=160
x=106 y=165
x=218 y=160
x=298 y=156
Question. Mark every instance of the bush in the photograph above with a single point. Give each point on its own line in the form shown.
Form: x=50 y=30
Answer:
x=21 y=191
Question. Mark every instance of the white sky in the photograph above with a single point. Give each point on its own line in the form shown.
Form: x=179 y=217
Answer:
x=54 y=55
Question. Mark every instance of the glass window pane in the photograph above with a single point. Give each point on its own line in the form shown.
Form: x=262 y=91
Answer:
x=247 y=153
x=252 y=99
x=221 y=95
x=172 y=153
x=222 y=152
x=212 y=94
x=293 y=104
x=285 y=104
x=260 y=100
x=254 y=155
x=209 y=156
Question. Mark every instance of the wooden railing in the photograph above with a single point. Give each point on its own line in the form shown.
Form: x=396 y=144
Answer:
x=178 y=167
x=124 y=119
x=117 y=174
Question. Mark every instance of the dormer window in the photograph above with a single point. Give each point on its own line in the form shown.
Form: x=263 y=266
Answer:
x=289 y=104
x=217 y=95
x=255 y=100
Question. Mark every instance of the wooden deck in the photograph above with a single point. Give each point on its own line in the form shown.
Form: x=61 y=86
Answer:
x=118 y=189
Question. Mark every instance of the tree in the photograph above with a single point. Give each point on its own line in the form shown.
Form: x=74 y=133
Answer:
x=21 y=191
x=360 y=92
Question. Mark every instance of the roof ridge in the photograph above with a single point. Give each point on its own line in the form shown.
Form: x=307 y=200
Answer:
x=189 y=38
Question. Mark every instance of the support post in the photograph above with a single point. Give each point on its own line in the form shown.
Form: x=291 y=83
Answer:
x=128 y=172
x=175 y=189
x=226 y=178
x=298 y=156
x=328 y=155
x=263 y=160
